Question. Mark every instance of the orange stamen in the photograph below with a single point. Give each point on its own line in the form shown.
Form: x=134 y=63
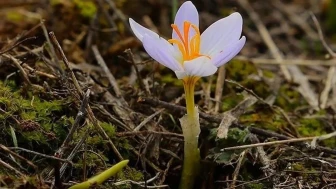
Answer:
x=179 y=45
x=188 y=45
x=175 y=28
x=186 y=28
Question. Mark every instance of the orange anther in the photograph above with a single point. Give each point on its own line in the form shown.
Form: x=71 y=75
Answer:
x=188 y=45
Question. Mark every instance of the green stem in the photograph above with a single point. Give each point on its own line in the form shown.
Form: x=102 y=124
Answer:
x=189 y=89
x=191 y=129
x=99 y=179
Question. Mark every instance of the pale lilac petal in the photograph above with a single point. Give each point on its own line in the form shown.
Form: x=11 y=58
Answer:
x=200 y=66
x=161 y=51
x=140 y=31
x=221 y=33
x=228 y=52
x=187 y=12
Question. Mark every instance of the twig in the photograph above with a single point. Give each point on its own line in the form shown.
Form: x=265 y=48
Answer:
x=231 y=116
x=106 y=14
x=79 y=117
x=322 y=137
x=332 y=70
x=236 y=171
x=296 y=19
x=17 y=44
x=9 y=151
x=265 y=161
x=141 y=184
x=249 y=182
x=137 y=128
x=124 y=134
x=73 y=152
x=31 y=70
x=219 y=87
x=266 y=37
x=329 y=82
x=18 y=65
x=24 y=34
x=39 y=154
x=103 y=133
x=132 y=60
x=95 y=153
x=152 y=165
x=69 y=158
x=109 y=75
x=268 y=143
x=4 y=164
x=53 y=55
x=119 y=14
x=66 y=63
x=290 y=72
x=113 y=118
x=299 y=62
x=321 y=36
x=166 y=171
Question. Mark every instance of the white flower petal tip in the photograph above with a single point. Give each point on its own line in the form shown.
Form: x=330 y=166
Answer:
x=229 y=52
x=200 y=67
x=221 y=33
x=187 y=12
x=140 y=31
x=237 y=17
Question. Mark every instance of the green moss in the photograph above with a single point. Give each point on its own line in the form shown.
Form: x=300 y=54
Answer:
x=108 y=128
x=36 y=121
x=331 y=16
x=129 y=173
x=242 y=72
x=265 y=118
x=87 y=8
x=230 y=101
x=268 y=74
x=255 y=186
x=311 y=127
x=239 y=70
x=14 y=16
x=92 y=161
x=235 y=137
x=289 y=98
x=298 y=167
x=170 y=79
x=315 y=127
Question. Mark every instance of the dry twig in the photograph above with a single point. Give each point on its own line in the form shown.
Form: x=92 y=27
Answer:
x=290 y=72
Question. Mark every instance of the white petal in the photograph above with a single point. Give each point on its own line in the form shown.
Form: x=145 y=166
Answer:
x=181 y=74
x=140 y=31
x=200 y=66
x=228 y=53
x=221 y=33
x=187 y=12
x=161 y=51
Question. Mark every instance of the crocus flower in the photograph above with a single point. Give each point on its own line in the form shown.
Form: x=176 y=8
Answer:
x=191 y=54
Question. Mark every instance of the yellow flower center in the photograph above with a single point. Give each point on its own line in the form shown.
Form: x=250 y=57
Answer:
x=188 y=46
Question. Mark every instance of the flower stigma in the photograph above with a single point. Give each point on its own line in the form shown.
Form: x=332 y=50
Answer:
x=189 y=47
